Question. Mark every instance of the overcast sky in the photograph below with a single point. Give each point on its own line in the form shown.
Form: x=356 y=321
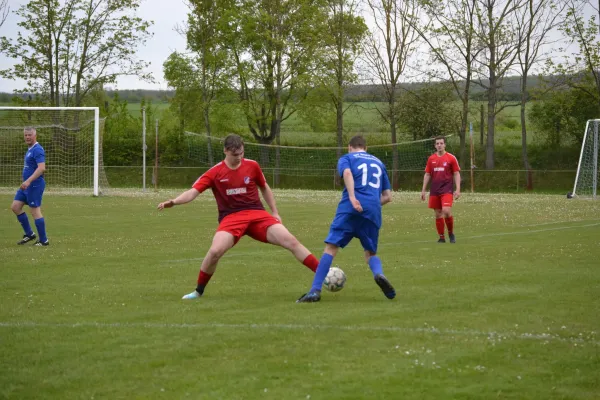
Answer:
x=166 y=14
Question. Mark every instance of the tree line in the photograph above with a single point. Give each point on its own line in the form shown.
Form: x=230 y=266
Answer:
x=272 y=59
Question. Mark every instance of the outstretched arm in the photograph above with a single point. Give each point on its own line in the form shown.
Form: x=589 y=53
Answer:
x=349 y=182
x=267 y=194
x=183 y=198
x=426 y=179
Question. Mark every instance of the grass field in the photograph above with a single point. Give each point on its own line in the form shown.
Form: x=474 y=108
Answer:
x=509 y=312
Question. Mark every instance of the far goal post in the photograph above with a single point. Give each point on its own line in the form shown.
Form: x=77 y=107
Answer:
x=72 y=140
x=586 y=179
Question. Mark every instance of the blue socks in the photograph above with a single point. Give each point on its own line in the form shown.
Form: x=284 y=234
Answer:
x=321 y=273
x=40 y=224
x=375 y=265
x=24 y=221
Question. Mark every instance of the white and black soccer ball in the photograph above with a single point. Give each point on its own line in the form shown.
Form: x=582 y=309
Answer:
x=335 y=280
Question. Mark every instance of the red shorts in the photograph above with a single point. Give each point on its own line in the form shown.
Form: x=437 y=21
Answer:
x=441 y=201
x=253 y=223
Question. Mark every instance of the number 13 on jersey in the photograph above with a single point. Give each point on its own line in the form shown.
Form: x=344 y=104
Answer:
x=371 y=174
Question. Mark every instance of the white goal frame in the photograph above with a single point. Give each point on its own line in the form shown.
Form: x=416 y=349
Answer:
x=96 y=133
x=596 y=144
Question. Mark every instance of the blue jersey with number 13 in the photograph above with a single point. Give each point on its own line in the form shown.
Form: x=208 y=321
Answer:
x=370 y=180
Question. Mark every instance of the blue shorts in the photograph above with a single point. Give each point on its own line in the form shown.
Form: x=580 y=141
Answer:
x=32 y=196
x=345 y=227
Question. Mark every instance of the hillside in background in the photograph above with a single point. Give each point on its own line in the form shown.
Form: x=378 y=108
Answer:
x=356 y=93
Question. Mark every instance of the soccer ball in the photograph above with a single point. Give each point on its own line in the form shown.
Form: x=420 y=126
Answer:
x=335 y=279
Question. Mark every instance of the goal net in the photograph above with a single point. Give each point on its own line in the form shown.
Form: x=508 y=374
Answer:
x=71 y=138
x=586 y=180
x=316 y=167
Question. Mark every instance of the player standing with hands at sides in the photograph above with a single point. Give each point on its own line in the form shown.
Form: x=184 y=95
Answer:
x=442 y=169
x=234 y=183
x=31 y=190
x=367 y=189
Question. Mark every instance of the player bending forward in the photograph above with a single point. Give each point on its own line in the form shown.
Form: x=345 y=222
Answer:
x=442 y=168
x=367 y=188
x=234 y=182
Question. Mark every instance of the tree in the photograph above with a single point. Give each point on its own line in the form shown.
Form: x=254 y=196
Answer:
x=497 y=35
x=272 y=46
x=199 y=76
x=65 y=51
x=534 y=22
x=343 y=37
x=390 y=46
x=451 y=38
x=4 y=10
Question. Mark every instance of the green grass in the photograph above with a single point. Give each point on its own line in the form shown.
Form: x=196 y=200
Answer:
x=509 y=312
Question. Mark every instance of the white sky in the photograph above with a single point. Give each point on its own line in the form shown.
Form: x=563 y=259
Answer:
x=166 y=14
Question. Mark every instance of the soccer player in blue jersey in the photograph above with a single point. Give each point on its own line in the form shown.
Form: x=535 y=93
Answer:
x=367 y=188
x=31 y=190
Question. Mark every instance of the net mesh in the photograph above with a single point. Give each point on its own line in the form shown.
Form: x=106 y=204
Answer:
x=67 y=136
x=588 y=174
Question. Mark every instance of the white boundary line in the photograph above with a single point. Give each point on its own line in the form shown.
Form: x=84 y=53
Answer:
x=541 y=337
x=487 y=235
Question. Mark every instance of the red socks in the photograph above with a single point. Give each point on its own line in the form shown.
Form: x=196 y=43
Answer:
x=311 y=262
x=203 y=278
x=450 y=224
x=439 y=224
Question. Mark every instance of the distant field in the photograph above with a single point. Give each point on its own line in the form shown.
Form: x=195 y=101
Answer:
x=508 y=312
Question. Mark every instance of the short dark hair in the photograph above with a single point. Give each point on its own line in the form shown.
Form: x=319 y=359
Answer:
x=358 y=142
x=233 y=142
x=435 y=139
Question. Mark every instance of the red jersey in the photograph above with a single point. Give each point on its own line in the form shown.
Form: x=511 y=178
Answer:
x=234 y=189
x=442 y=169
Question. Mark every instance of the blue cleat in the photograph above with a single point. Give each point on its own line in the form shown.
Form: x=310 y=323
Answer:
x=385 y=285
x=310 y=297
x=452 y=238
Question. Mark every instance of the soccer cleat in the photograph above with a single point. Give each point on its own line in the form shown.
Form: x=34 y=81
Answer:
x=385 y=285
x=38 y=243
x=452 y=238
x=26 y=239
x=441 y=240
x=191 y=296
x=310 y=297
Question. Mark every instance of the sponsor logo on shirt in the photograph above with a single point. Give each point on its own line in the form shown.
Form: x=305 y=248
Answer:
x=246 y=181
x=231 y=192
x=445 y=163
x=439 y=169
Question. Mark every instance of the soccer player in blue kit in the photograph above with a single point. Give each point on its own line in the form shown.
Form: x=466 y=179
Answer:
x=31 y=190
x=367 y=188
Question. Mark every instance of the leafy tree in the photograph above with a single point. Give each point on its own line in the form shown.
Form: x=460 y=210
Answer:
x=65 y=50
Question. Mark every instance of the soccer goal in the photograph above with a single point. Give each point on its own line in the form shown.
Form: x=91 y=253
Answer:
x=71 y=138
x=586 y=180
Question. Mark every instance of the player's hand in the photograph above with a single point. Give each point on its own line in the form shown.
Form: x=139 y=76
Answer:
x=456 y=194
x=276 y=216
x=166 y=204
x=356 y=204
x=25 y=185
x=423 y=196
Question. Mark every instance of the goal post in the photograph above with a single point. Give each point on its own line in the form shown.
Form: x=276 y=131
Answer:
x=72 y=140
x=586 y=179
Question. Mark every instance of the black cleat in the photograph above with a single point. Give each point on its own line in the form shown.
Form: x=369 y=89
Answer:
x=38 y=243
x=26 y=239
x=385 y=285
x=441 y=240
x=310 y=297
x=452 y=238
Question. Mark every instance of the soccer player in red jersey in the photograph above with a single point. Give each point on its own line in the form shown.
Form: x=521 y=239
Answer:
x=442 y=169
x=235 y=183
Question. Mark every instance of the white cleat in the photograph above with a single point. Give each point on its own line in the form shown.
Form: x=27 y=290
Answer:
x=191 y=296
